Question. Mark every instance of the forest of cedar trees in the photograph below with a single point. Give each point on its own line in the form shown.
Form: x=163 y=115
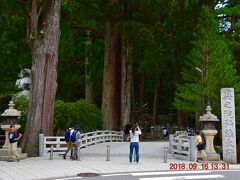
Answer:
x=157 y=62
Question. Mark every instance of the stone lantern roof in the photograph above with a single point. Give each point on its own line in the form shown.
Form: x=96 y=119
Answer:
x=11 y=111
x=208 y=117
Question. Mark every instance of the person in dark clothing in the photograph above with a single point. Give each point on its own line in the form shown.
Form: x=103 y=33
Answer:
x=165 y=133
x=70 y=145
x=126 y=131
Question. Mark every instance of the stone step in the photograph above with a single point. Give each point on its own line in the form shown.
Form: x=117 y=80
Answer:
x=4 y=156
x=4 y=151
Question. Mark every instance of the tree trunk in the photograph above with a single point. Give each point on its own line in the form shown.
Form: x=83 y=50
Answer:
x=197 y=122
x=133 y=104
x=89 y=91
x=156 y=100
x=142 y=81
x=182 y=119
x=126 y=83
x=44 y=34
x=88 y=81
x=111 y=103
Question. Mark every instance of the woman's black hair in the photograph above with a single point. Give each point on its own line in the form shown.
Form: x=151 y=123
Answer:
x=133 y=129
x=197 y=132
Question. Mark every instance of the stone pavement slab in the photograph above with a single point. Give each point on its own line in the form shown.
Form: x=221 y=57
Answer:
x=93 y=160
x=146 y=149
x=43 y=168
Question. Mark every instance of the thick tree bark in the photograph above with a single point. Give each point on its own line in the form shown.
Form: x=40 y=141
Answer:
x=182 y=119
x=141 y=98
x=44 y=36
x=111 y=103
x=88 y=81
x=126 y=82
x=156 y=100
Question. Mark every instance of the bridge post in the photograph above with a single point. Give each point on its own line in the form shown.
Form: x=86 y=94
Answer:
x=165 y=153
x=41 y=143
x=78 y=151
x=51 y=153
x=108 y=153
x=192 y=147
x=171 y=143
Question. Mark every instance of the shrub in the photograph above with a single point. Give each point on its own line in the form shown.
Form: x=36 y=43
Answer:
x=61 y=120
x=21 y=104
x=87 y=115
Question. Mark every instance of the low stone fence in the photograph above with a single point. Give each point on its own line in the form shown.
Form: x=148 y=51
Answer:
x=87 y=139
x=182 y=146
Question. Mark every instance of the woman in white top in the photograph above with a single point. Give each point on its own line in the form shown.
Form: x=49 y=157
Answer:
x=134 y=142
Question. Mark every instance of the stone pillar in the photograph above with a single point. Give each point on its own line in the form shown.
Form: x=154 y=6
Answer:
x=228 y=125
x=210 y=151
x=192 y=148
x=171 y=143
x=209 y=131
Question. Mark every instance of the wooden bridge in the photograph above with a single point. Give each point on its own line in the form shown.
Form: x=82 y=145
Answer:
x=87 y=139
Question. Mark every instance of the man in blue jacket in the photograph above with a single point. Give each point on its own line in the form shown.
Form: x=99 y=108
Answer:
x=70 y=145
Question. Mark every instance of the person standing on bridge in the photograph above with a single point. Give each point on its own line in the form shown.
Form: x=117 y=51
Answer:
x=134 y=142
x=70 y=146
x=76 y=140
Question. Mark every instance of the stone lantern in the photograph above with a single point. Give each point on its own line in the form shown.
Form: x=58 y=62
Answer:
x=9 y=116
x=209 y=131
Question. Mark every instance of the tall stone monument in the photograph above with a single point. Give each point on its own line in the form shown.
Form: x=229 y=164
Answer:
x=228 y=125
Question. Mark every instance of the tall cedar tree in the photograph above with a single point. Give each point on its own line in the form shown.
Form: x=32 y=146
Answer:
x=212 y=55
x=229 y=15
x=43 y=34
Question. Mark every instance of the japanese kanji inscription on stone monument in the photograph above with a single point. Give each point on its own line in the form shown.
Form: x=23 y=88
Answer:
x=228 y=125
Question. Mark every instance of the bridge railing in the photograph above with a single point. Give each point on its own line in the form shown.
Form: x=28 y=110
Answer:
x=182 y=146
x=87 y=139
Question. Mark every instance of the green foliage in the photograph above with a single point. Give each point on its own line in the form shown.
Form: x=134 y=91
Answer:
x=61 y=117
x=71 y=70
x=78 y=25
x=21 y=104
x=4 y=100
x=87 y=115
x=212 y=55
x=188 y=96
x=164 y=40
x=13 y=50
x=229 y=15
